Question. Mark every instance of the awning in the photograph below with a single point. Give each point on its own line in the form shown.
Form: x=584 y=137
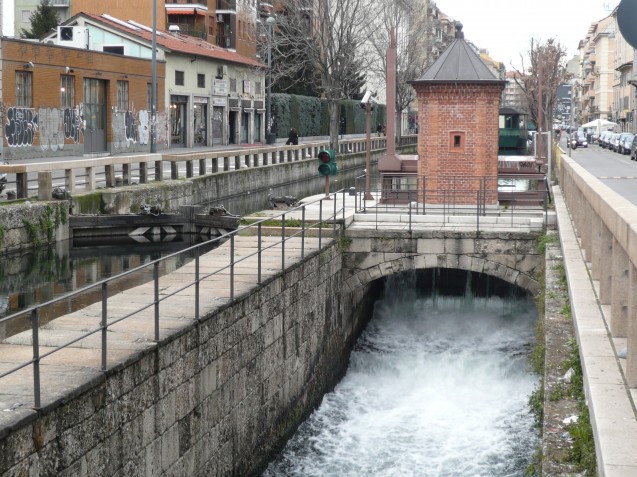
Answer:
x=180 y=11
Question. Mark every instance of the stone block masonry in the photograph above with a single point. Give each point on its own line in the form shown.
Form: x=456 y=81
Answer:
x=217 y=398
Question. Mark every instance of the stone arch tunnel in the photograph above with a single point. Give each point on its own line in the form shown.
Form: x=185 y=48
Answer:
x=370 y=255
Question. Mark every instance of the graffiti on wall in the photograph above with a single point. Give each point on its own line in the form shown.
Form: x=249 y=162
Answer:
x=50 y=125
x=130 y=129
x=161 y=128
x=74 y=123
x=55 y=125
x=51 y=129
x=21 y=126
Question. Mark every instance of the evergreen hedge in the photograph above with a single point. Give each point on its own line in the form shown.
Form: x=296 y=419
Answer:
x=310 y=116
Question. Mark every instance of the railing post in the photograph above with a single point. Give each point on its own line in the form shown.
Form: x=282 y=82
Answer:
x=232 y=267
x=104 y=319
x=478 y=211
x=259 y=253
x=197 y=284
x=320 y=222
x=143 y=173
x=334 y=215
x=36 y=357
x=303 y=232
x=156 y=293
x=283 y=242
x=159 y=171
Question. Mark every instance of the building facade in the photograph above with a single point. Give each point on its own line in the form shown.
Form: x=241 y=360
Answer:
x=60 y=101
x=214 y=96
x=597 y=55
x=229 y=24
x=623 y=100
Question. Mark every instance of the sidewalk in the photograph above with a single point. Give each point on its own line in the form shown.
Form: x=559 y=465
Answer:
x=180 y=150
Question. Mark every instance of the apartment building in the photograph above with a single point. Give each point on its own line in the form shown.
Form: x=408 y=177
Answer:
x=597 y=55
x=623 y=93
x=229 y=24
x=513 y=96
x=23 y=9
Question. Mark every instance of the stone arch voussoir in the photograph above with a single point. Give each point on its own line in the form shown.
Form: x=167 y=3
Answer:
x=379 y=268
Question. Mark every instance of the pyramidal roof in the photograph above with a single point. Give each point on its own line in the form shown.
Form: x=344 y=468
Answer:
x=459 y=63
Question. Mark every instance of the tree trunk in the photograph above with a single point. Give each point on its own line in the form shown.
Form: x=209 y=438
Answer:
x=332 y=108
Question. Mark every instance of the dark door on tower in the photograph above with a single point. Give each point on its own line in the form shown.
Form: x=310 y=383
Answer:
x=94 y=115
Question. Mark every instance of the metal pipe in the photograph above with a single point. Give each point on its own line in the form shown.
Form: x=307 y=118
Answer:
x=36 y=358
x=153 y=93
x=156 y=294
x=104 y=318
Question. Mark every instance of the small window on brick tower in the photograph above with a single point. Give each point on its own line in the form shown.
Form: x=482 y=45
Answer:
x=456 y=141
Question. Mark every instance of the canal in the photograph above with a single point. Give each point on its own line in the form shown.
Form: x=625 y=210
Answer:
x=438 y=385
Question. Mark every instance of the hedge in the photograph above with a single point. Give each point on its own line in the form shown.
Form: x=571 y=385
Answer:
x=310 y=116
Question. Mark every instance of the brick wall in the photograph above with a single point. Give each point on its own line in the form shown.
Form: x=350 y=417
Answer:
x=471 y=112
x=49 y=62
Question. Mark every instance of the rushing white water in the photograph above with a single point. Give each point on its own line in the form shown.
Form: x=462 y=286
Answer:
x=436 y=386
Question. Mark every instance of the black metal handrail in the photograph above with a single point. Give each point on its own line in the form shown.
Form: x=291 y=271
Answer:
x=447 y=202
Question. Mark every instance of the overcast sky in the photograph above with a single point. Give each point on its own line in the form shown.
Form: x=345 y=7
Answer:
x=7 y=16
x=505 y=27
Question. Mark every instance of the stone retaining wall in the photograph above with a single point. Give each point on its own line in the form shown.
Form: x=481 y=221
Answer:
x=218 y=398
x=30 y=224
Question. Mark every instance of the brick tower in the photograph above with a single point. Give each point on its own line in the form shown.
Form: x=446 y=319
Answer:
x=458 y=110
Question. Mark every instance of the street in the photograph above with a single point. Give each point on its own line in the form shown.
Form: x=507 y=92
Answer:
x=615 y=170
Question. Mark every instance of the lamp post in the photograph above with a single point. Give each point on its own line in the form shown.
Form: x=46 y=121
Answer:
x=269 y=22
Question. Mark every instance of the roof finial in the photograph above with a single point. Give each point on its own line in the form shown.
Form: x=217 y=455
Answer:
x=459 y=32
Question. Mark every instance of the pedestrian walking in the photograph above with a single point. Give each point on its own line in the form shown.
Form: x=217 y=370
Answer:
x=293 y=138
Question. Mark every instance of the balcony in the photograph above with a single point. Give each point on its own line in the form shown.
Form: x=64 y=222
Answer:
x=60 y=3
x=227 y=5
x=223 y=41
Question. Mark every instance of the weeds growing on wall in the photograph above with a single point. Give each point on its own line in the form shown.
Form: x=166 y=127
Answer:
x=43 y=229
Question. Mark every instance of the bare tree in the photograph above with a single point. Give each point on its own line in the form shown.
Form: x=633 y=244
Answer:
x=413 y=33
x=327 y=39
x=546 y=67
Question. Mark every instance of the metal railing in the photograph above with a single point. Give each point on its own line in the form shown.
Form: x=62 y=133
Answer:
x=85 y=175
x=109 y=287
x=486 y=198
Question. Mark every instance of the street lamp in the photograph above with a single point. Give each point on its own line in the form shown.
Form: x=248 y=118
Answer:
x=269 y=23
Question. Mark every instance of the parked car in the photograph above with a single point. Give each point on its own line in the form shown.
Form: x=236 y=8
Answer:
x=604 y=138
x=614 y=142
x=633 y=151
x=623 y=138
